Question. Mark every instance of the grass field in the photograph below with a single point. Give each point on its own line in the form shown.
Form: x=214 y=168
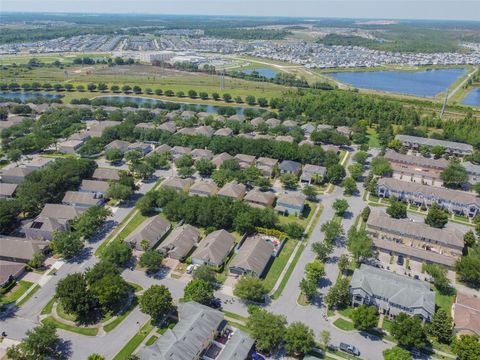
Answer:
x=75 y=329
x=303 y=221
x=14 y=294
x=373 y=138
x=278 y=264
x=134 y=342
x=444 y=301
x=344 y=324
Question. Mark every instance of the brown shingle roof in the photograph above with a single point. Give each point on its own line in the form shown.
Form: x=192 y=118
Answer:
x=467 y=313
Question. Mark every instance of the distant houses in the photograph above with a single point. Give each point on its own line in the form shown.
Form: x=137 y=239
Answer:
x=452 y=147
x=291 y=203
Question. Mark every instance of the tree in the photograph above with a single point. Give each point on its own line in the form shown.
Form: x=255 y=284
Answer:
x=137 y=89
x=115 y=88
x=215 y=96
x=466 y=347
x=204 y=167
x=40 y=343
x=340 y=206
x=299 y=338
x=314 y=271
x=468 y=267
x=325 y=336
x=476 y=188
x=180 y=94
x=192 y=94
x=14 y=155
x=289 y=181
x=294 y=230
x=91 y=87
x=436 y=216
x=356 y=171
x=112 y=292
x=350 y=186
x=338 y=295
x=267 y=329
x=322 y=250
x=408 y=331
x=381 y=166
x=203 y=95
x=397 y=209
x=198 y=290
x=360 y=157
x=95 y=357
x=365 y=213
x=102 y=87
x=343 y=263
x=74 y=296
x=90 y=221
x=37 y=260
x=308 y=288
x=250 y=289
x=9 y=209
x=118 y=253
x=113 y=155
x=335 y=173
x=250 y=99
x=310 y=192
x=227 y=97
x=441 y=326
x=396 y=353
x=156 y=301
x=359 y=244
x=100 y=270
x=454 y=175
x=469 y=238
x=185 y=171
x=151 y=260
x=133 y=156
x=206 y=273
x=332 y=229
x=440 y=280
x=438 y=151
x=117 y=191
x=67 y=243
x=365 y=317
x=262 y=102
x=126 y=88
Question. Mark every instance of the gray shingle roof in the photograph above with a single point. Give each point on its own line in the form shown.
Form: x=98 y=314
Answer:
x=215 y=247
x=95 y=185
x=151 y=230
x=238 y=347
x=20 y=249
x=180 y=241
x=290 y=166
x=434 y=142
x=233 y=190
x=7 y=189
x=253 y=255
x=416 y=160
x=106 y=174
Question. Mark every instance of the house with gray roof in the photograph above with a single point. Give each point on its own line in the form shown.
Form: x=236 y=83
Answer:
x=106 y=174
x=473 y=172
x=118 y=145
x=164 y=148
x=450 y=146
x=224 y=132
x=286 y=138
x=143 y=148
x=7 y=190
x=178 y=151
x=244 y=160
x=240 y=118
x=203 y=188
x=38 y=163
x=204 y=130
x=289 y=124
x=391 y=293
x=233 y=190
x=219 y=159
x=253 y=257
x=177 y=183
x=168 y=126
x=272 y=122
x=214 y=249
x=98 y=187
x=202 y=154
x=151 y=231
x=69 y=146
x=180 y=242
x=257 y=121
x=188 y=131
x=20 y=250
x=82 y=200
x=291 y=203
x=259 y=198
x=10 y=271
x=311 y=172
x=308 y=129
x=15 y=175
x=266 y=165
x=290 y=167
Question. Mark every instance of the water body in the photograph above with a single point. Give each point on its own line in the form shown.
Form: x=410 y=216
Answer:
x=427 y=83
x=27 y=96
x=472 y=98
x=266 y=72
x=196 y=107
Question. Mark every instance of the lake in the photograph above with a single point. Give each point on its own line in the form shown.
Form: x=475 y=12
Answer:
x=27 y=96
x=197 y=107
x=266 y=72
x=472 y=98
x=427 y=83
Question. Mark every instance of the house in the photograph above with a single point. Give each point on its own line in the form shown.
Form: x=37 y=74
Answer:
x=259 y=198
x=98 y=187
x=266 y=165
x=187 y=114
x=10 y=271
x=289 y=124
x=82 y=136
x=257 y=121
x=202 y=154
x=312 y=172
x=451 y=147
x=391 y=293
x=53 y=217
x=244 y=160
x=7 y=190
x=203 y=188
x=204 y=131
x=233 y=190
x=290 y=167
x=188 y=131
x=416 y=168
x=38 y=163
x=456 y=201
x=344 y=130
x=473 y=172
x=239 y=118
x=95 y=128
x=214 y=249
x=179 y=151
x=249 y=135
x=146 y=125
x=162 y=149
x=177 y=183
x=259 y=136
x=286 y=138
x=168 y=126
x=180 y=242
x=332 y=148
x=143 y=148
x=308 y=129
x=291 y=203
x=466 y=314
x=201 y=333
x=15 y=175
x=321 y=127
x=219 y=159
x=253 y=257
x=106 y=174
x=151 y=230
x=224 y=132
x=272 y=122
x=414 y=240
x=118 y=145
x=20 y=250
x=69 y=146
x=83 y=200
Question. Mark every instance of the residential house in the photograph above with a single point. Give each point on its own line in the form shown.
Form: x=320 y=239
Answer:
x=272 y=122
x=150 y=232
x=286 y=138
x=53 y=217
x=7 y=190
x=98 y=187
x=224 y=132
x=146 y=125
x=473 y=172
x=308 y=129
x=244 y=160
x=177 y=183
x=38 y=163
x=179 y=151
x=259 y=198
x=83 y=200
x=321 y=127
x=219 y=159
x=10 y=271
x=143 y=148
x=180 y=242
x=257 y=121
x=290 y=167
x=460 y=202
x=15 y=175
x=233 y=190
x=253 y=257
x=204 y=131
x=312 y=172
x=118 y=145
x=259 y=136
x=451 y=147
x=239 y=118
x=106 y=174
x=20 y=250
x=95 y=128
x=203 y=188
x=344 y=130
x=202 y=154
x=162 y=149
x=391 y=293
x=168 y=126
x=466 y=314
x=70 y=147
x=187 y=114
x=188 y=131
x=332 y=148
x=266 y=165
x=214 y=249
x=291 y=203
x=289 y=124
x=415 y=240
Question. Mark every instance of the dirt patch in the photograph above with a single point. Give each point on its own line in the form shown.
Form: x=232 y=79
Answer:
x=142 y=70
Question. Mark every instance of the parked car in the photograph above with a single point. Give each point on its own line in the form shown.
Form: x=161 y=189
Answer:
x=257 y=356
x=400 y=260
x=190 y=269
x=350 y=349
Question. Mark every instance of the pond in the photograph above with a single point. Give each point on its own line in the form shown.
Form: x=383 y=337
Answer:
x=472 y=98
x=265 y=72
x=27 y=96
x=194 y=107
x=427 y=83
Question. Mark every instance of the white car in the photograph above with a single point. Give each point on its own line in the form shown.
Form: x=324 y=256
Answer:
x=190 y=269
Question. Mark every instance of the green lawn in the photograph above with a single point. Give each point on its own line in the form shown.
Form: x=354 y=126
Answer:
x=302 y=300
x=310 y=208
x=29 y=295
x=63 y=314
x=151 y=340
x=134 y=342
x=48 y=308
x=76 y=329
x=284 y=281
x=343 y=324
x=112 y=325
x=234 y=316
x=14 y=294
x=279 y=263
x=347 y=312
x=444 y=301
x=373 y=138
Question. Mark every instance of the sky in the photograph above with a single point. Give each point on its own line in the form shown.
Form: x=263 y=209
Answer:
x=373 y=9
